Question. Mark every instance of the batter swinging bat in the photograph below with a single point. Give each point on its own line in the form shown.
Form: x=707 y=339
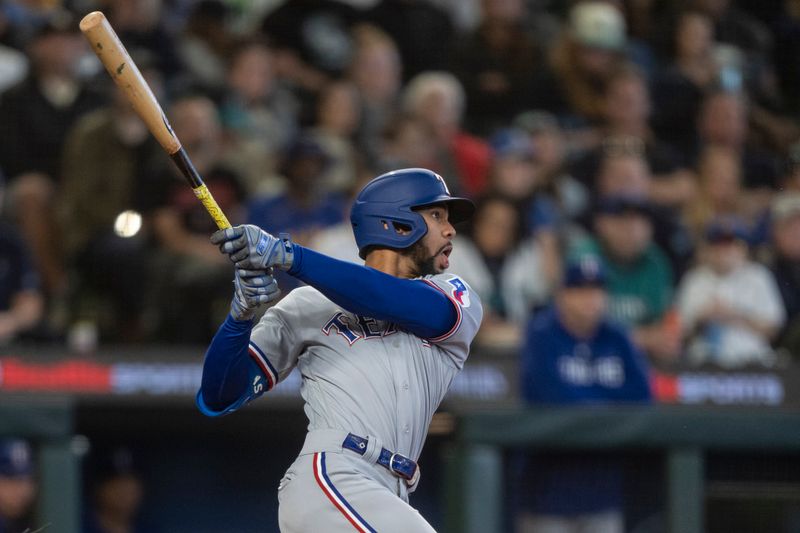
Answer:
x=126 y=75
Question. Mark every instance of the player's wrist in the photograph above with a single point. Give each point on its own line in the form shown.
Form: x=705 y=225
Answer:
x=284 y=254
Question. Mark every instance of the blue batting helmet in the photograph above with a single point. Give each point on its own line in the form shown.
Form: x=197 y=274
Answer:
x=386 y=204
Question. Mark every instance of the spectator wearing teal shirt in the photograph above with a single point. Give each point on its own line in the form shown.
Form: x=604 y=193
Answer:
x=640 y=279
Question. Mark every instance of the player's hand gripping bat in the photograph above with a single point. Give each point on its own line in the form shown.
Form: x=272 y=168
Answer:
x=126 y=75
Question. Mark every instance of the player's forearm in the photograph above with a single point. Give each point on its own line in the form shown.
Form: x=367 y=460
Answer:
x=413 y=305
x=225 y=369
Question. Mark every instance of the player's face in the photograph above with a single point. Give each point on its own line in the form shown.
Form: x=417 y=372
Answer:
x=431 y=254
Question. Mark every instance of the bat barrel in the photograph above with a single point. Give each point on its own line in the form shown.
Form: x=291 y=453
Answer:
x=115 y=58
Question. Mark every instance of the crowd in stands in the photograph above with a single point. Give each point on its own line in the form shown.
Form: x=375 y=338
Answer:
x=660 y=138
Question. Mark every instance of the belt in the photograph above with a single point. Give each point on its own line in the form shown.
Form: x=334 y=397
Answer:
x=399 y=464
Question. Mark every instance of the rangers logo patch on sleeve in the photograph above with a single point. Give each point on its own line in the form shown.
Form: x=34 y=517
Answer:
x=459 y=292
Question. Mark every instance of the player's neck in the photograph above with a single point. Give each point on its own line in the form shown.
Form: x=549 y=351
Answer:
x=390 y=262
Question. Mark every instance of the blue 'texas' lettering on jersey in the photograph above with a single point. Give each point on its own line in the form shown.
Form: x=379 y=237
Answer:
x=354 y=330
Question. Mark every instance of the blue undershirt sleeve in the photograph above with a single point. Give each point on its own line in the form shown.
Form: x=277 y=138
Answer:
x=228 y=370
x=413 y=305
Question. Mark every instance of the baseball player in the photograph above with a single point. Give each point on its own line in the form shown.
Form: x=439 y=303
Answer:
x=377 y=346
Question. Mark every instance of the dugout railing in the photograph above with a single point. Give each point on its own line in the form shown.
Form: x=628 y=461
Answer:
x=475 y=485
x=49 y=424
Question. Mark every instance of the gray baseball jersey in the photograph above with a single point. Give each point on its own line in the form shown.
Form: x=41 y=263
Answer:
x=363 y=377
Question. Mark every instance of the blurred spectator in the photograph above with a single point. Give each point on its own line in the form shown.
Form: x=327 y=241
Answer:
x=306 y=206
x=720 y=193
x=786 y=27
x=337 y=240
x=139 y=25
x=421 y=29
x=640 y=279
x=337 y=120
x=692 y=71
x=109 y=153
x=407 y=142
x=785 y=264
x=549 y=149
x=730 y=306
x=37 y=113
x=497 y=64
x=624 y=171
x=13 y=63
x=591 y=48
x=437 y=99
x=17 y=486
x=574 y=355
x=117 y=491
x=205 y=43
x=735 y=26
x=189 y=277
x=514 y=173
x=723 y=120
x=259 y=115
x=791 y=169
x=508 y=270
x=376 y=72
x=21 y=301
x=312 y=40
x=625 y=116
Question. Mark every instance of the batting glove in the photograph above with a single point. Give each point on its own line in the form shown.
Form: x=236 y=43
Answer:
x=252 y=248
x=251 y=289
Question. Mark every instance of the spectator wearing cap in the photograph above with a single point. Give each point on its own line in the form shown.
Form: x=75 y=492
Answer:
x=624 y=171
x=574 y=354
x=116 y=495
x=591 y=47
x=17 y=486
x=21 y=301
x=730 y=307
x=640 y=278
x=305 y=207
x=514 y=173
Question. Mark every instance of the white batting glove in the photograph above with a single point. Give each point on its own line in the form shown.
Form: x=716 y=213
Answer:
x=251 y=289
x=252 y=248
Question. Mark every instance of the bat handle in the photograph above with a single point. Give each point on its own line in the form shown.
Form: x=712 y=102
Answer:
x=181 y=159
x=204 y=195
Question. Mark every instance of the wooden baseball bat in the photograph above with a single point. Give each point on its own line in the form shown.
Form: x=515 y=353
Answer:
x=126 y=75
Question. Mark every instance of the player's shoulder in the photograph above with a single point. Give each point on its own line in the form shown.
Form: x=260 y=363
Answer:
x=456 y=288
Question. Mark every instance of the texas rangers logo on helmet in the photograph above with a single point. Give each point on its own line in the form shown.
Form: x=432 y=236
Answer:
x=460 y=292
